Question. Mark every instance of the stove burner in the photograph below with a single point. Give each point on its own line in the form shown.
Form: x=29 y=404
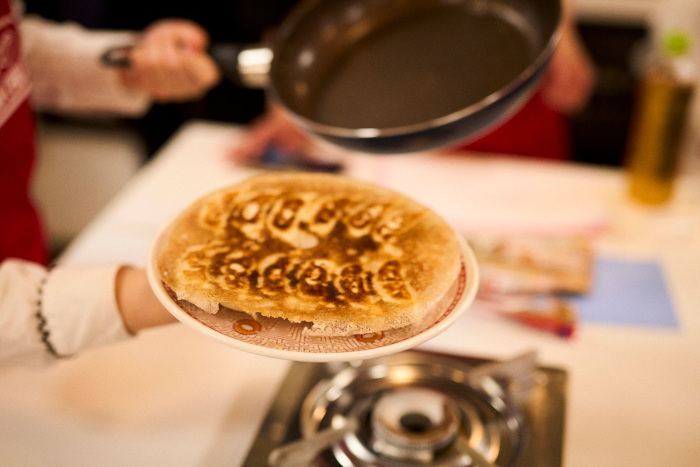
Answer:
x=427 y=412
x=413 y=423
x=418 y=408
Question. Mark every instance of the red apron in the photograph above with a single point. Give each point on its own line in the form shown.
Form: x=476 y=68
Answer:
x=21 y=234
x=534 y=131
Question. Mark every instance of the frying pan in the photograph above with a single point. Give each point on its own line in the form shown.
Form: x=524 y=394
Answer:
x=396 y=76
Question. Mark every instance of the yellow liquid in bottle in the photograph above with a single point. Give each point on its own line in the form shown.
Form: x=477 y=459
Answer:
x=656 y=136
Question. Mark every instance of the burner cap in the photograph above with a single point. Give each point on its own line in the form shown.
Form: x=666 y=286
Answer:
x=412 y=423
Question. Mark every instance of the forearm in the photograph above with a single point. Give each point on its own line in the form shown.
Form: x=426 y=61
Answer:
x=63 y=61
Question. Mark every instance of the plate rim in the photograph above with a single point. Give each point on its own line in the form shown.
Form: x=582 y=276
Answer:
x=465 y=300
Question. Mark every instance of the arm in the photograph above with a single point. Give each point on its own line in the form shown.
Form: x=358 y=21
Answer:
x=66 y=74
x=571 y=77
x=46 y=315
x=169 y=63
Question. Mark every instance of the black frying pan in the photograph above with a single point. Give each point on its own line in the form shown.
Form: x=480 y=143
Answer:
x=391 y=76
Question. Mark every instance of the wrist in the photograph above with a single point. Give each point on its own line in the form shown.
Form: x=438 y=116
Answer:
x=137 y=304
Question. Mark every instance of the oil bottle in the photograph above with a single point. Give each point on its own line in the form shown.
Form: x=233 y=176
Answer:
x=666 y=87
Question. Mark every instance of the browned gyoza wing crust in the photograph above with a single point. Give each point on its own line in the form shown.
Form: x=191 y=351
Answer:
x=348 y=256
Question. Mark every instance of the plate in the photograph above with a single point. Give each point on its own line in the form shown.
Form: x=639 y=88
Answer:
x=279 y=338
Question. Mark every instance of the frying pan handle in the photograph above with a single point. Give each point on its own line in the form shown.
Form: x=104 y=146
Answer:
x=245 y=65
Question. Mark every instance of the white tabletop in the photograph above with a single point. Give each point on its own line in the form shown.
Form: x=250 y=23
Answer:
x=174 y=397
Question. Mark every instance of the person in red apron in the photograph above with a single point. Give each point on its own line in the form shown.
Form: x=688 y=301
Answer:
x=46 y=314
x=20 y=231
x=21 y=234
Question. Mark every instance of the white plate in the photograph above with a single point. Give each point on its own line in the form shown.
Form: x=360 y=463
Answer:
x=279 y=338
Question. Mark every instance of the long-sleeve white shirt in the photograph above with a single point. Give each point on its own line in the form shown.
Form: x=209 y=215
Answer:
x=61 y=312
x=67 y=76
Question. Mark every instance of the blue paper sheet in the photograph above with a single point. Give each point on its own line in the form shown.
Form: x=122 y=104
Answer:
x=628 y=293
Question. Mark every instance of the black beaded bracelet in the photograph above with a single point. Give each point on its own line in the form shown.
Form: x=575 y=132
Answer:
x=43 y=330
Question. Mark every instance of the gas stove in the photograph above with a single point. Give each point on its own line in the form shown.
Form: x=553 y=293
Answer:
x=416 y=408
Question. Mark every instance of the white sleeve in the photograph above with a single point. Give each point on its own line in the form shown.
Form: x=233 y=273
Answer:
x=46 y=315
x=63 y=62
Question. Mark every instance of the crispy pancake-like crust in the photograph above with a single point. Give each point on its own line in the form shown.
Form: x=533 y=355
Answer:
x=347 y=256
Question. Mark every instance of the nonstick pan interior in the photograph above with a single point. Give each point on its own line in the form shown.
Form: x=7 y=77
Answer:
x=397 y=67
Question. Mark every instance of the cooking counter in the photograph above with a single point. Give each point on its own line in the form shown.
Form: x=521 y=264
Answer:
x=174 y=397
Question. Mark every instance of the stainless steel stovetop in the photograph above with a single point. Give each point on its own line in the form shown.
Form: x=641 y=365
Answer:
x=417 y=408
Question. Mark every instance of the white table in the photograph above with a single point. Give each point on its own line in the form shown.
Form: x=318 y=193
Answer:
x=173 y=397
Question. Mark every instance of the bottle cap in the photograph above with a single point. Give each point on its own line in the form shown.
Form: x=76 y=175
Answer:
x=676 y=43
